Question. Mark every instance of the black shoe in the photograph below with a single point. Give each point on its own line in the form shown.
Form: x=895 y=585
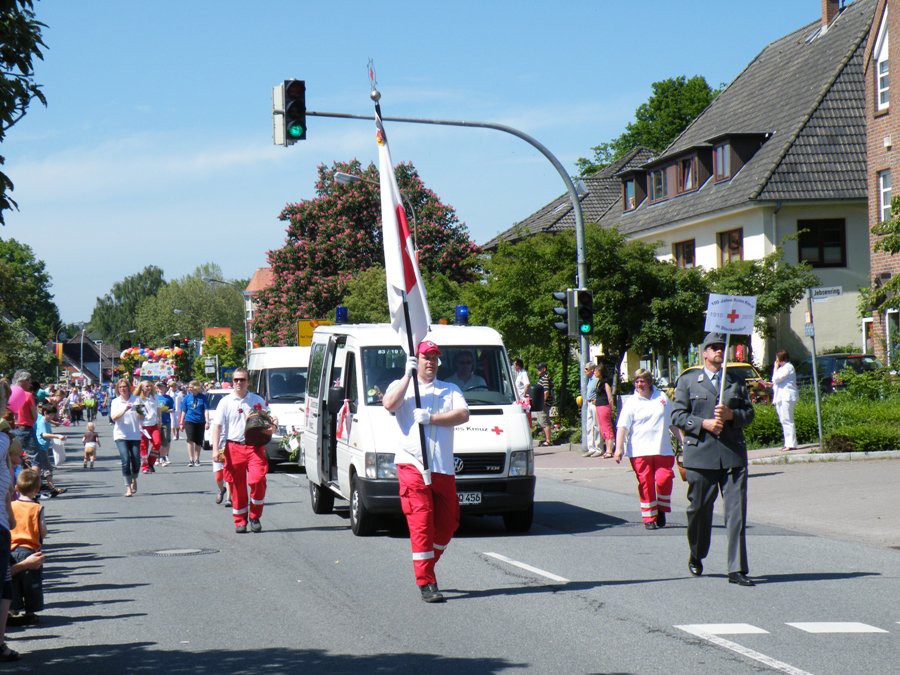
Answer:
x=651 y=525
x=660 y=519
x=228 y=503
x=695 y=567
x=430 y=593
x=220 y=496
x=740 y=579
x=255 y=525
x=240 y=529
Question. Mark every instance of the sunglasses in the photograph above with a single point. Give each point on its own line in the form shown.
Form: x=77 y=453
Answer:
x=238 y=379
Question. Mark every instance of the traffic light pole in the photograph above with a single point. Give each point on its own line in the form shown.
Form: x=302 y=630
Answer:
x=580 y=261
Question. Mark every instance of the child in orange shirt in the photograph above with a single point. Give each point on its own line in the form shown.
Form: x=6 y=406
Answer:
x=26 y=539
x=91 y=441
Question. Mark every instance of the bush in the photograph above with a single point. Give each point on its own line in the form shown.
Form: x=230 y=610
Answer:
x=765 y=430
x=863 y=437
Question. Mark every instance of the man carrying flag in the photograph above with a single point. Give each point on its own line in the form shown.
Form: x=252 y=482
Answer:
x=426 y=419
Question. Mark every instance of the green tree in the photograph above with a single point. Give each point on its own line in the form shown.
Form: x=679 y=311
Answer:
x=336 y=235
x=777 y=285
x=19 y=348
x=20 y=44
x=366 y=297
x=25 y=289
x=116 y=312
x=884 y=295
x=674 y=104
x=213 y=346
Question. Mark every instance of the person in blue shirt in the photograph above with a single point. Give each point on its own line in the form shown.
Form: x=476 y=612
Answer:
x=166 y=404
x=194 y=420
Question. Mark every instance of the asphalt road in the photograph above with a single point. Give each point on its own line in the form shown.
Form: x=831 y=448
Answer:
x=161 y=582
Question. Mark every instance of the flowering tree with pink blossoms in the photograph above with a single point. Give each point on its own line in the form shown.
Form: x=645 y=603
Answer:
x=337 y=234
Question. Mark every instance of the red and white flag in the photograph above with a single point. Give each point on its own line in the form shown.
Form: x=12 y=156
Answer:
x=400 y=264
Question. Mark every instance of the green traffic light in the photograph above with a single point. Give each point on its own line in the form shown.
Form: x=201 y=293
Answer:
x=295 y=131
x=585 y=328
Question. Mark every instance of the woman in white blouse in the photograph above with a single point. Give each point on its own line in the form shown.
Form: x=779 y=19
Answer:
x=784 y=397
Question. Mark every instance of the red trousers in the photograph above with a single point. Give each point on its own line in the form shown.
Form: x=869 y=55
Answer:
x=654 y=474
x=149 y=455
x=246 y=464
x=432 y=513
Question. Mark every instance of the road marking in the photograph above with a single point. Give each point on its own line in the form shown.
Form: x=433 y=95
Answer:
x=836 y=627
x=704 y=631
x=529 y=568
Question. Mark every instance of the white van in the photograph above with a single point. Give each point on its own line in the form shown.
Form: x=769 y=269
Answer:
x=349 y=449
x=278 y=374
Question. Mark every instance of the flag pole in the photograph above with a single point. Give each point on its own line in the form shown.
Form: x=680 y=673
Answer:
x=426 y=471
x=724 y=368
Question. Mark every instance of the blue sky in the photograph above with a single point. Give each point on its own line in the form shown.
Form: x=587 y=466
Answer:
x=156 y=146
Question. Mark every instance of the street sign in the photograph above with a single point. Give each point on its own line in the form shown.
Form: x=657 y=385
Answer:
x=305 y=328
x=209 y=362
x=822 y=293
x=209 y=370
x=810 y=330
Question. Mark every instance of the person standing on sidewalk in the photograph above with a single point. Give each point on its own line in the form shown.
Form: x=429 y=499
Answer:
x=432 y=511
x=784 y=397
x=715 y=457
x=245 y=465
x=590 y=395
x=644 y=425
x=541 y=400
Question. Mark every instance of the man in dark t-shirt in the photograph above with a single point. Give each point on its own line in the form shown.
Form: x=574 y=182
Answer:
x=541 y=400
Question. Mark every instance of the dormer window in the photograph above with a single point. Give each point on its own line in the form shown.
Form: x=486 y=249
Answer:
x=882 y=67
x=634 y=189
x=687 y=174
x=722 y=161
x=659 y=186
x=629 y=194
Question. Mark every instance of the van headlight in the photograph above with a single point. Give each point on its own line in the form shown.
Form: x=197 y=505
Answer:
x=521 y=463
x=380 y=465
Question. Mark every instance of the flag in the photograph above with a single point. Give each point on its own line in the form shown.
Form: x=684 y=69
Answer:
x=400 y=266
x=342 y=428
x=730 y=314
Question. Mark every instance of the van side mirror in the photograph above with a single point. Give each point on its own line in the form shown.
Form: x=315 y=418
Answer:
x=335 y=399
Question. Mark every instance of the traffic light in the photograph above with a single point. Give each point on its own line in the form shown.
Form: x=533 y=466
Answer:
x=566 y=300
x=584 y=302
x=289 y=112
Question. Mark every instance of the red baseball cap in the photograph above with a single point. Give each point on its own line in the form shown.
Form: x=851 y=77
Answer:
x=428 y=347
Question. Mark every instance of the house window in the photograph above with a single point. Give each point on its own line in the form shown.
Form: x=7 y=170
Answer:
x=684 y=253
x=722 y=161
x=731 y=246
x=882 y=67
x=658 y=184
x=822 y=243
x=687 y=170
x=884 y=193
x=629 y=194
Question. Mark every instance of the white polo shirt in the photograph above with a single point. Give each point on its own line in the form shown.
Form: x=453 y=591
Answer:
x=436 y=397
x=231 y=415
x=647 y=420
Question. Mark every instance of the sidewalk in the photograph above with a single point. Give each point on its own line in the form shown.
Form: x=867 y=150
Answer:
x=819 y=494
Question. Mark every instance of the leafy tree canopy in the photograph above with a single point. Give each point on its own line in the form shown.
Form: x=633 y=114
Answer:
x=20 y=44
x=115 y=313
x=25 y=289
x=337 y=235
x=212 y=347
x=20 y=349
x=884 y=295
x=674 y=104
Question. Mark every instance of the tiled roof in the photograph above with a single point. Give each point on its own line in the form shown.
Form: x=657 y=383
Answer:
x=603 y=190
x=262 y=278
x=809 y=94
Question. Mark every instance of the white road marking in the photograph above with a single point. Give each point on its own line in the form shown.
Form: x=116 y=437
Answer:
x=836 y=627
x=723 y=629
x=529 y=568
x=702 y=631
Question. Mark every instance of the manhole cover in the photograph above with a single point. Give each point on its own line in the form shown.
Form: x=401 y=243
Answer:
x=175 y=552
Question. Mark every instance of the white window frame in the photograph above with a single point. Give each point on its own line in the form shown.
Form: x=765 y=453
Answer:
x=882 y=67
x=884 y=194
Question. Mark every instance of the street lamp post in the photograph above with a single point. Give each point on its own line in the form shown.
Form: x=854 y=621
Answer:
x=100 y=362
x=247 y=345
x=348 y=178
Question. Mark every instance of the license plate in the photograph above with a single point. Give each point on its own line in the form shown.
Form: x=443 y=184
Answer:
x=468 y=498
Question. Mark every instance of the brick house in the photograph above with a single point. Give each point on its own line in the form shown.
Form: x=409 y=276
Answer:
x=882 y=125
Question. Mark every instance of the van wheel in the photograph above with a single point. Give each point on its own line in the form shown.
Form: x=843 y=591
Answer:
x=519 y=521
x=320 y=498
x=362 y=523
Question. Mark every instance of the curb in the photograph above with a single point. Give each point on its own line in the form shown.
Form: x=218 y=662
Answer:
x=826 y=457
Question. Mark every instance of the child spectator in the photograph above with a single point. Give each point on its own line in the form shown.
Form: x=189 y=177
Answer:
x=91 y=441
x=43 y=430
x=26 y=539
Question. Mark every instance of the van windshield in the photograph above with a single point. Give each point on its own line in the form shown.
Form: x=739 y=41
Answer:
x=286 y=385
x=482 y=373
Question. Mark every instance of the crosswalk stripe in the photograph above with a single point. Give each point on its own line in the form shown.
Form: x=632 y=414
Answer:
x=698 y=630
x=723 y=629
x=836 y=627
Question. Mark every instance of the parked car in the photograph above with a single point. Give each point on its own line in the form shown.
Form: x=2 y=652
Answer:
x=829 y=367
x=759 y=393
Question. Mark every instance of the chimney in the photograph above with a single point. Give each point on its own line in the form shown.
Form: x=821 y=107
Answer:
x=830 y=9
